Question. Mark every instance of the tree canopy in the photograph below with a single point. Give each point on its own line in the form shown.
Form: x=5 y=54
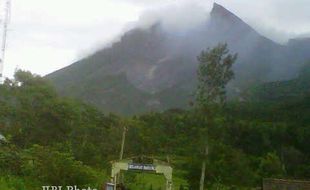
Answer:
x=54 y=139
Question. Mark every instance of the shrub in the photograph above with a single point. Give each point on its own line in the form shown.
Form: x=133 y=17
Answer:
x=54 y=167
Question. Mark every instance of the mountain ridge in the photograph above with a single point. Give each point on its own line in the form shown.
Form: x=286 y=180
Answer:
x=154 y=65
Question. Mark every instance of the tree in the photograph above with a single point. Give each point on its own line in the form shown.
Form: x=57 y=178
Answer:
x=54 y=167
x=214 y=72
x=271 y=166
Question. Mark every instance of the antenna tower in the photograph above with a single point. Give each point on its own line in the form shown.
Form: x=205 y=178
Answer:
x=4 y=27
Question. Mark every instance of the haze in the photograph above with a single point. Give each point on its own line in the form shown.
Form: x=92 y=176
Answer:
x=47 y=35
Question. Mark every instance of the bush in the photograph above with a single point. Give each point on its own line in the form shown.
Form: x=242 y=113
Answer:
x=10 y=160
x=271 y=166
x=54 y=167
x=12 y=183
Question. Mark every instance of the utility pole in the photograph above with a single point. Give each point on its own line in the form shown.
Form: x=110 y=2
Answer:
x=123 y=143
x=121 y=154
x=203 y=169
x=5 y=23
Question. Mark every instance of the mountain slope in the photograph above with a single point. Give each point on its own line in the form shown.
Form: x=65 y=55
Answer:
x=155 y=69
x=296 y=88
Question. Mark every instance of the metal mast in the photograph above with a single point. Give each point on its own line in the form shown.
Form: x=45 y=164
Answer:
x=5 y=23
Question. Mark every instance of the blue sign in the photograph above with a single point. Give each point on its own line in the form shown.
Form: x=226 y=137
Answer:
x=144 y=167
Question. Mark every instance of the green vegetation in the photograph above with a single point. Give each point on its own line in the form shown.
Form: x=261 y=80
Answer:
x=214 y=72
x=283 y=90
x=52 y=139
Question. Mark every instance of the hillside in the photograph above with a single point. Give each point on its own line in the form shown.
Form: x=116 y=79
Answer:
x=283 y=90
x=57 y=140
x=155 y=69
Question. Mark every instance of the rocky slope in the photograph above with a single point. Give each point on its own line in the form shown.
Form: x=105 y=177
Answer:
x=155 y=69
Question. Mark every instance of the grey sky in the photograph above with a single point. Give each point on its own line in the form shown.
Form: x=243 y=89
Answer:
x=46 y=35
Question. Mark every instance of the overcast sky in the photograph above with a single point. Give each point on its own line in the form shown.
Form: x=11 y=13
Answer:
x=46 y=35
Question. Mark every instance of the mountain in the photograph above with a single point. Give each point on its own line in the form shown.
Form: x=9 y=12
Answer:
x=155 y=69
x=284 y=91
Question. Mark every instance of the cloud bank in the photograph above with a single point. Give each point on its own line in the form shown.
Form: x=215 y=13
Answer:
x=278 y=20
x=51 y=34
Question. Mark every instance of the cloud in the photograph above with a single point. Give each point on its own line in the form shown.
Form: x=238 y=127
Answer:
x=50 y=34
x=276 y=19
x=148 y=3
x=176 y=16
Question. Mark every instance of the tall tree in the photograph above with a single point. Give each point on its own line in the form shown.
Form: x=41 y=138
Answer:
x=214 y=72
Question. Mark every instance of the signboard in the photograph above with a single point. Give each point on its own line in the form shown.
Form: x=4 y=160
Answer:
x=144 y=167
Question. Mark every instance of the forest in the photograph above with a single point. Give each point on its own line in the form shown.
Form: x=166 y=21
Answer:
x=49 y=139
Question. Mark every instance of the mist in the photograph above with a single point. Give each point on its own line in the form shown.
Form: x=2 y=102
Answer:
x=176 y=17
x=63 y=34
x=162 y=59
x=184 y=15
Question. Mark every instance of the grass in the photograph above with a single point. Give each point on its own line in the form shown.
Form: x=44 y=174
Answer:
x=145 y=181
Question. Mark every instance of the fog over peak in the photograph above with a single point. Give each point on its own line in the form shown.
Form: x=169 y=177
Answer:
x=149 y=67
x=62 y=33
x=176 y=16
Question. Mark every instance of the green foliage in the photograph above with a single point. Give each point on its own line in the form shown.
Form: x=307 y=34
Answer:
x=10 y=160
x=284 y=91
x=9 y=183
x=19 y=183
x=229 y=166
x=54 y=167
x=271 y=166
x=214 y=72
x=57 y=140
x=33 y=114
x=226 y=166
